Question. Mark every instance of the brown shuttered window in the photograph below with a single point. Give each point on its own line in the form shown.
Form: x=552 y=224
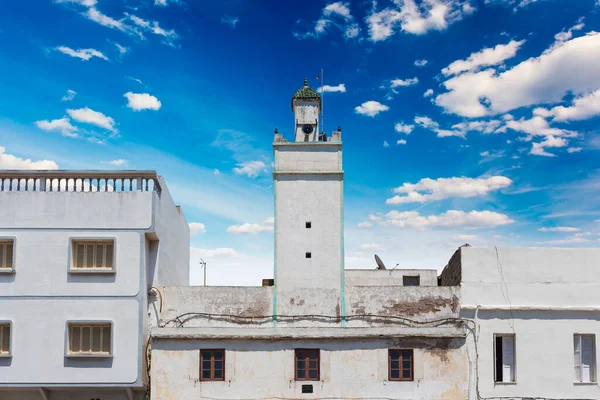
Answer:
x=90 y=339
x=6 y=254
x=307 y=364
x=212 y=365
x=89 y=255
x=4 y=338
x=401 y=365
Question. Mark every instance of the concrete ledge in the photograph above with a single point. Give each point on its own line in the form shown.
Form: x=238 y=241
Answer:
x=306 y=144
x=305 y=333
x=531 y=308
x=341 y=173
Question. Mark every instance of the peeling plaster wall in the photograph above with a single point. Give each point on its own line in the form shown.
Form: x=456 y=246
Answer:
x=70 y=394
x=543 y=296
x=374 y=277
x=356 y=369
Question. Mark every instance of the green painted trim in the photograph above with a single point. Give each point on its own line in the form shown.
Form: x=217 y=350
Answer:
x=343 y=261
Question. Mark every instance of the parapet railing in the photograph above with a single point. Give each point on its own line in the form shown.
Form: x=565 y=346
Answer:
x=78 y=181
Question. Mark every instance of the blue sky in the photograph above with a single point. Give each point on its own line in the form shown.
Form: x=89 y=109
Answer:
x=463 y=120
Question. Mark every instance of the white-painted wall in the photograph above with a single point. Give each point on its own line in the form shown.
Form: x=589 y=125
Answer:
x=543 y=296
x=389 y=277
x=41 y=296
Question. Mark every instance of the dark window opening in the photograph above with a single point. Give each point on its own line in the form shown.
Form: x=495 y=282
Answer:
x=308 y=255
x=308 y=225
x=411 y=280
x=212 y=365
x=504 y=361
x=306 y=364
x=499 y=359
x=400 y=365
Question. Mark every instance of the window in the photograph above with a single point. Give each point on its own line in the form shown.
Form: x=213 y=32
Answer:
x=6 y=255
x=400 y=365
x=585 y=362
x=308 y=225
x=93 y=255
x=212 y=365
x=308 y=255
x=504 y=358
x=411 y=280
x=307 y=364
x=90 y=339
x=4 y=339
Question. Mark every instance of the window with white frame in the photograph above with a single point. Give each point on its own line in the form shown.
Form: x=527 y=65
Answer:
x=585 y=360
x=504 y=362
x=6 y=255
x=4 y=338
x=96 y=255
x=90 y=339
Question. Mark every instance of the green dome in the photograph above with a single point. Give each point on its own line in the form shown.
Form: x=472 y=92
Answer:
x=306 y=93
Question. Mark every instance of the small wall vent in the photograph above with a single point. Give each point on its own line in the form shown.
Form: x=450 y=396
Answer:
x=307 y=388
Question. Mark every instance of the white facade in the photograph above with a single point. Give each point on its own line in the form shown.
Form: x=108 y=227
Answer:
x=43 y=293
x=541 y=298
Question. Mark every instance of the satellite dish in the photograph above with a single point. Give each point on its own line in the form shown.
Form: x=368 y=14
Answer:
x=380 y=264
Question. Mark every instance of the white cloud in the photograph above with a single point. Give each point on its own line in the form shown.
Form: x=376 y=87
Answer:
x=428 y=93
x=386 y=144
x=84 y=54
x=571 y=67
x=484 y=58
x=430 y=124
x=573 y=239
x=62 y=125
x=448 y=219
x=491 y=155
x=365 y=224
x=485 y=127
x=221 y=252
x=216 y=172
x=560 y=229
x=583 y=107
x=134 y=79
x=142 y=101
x=563 y=36
x=413 y=18
x=230 y=20
x=401 y=141
x=250 y=168
x=93 y=14
x=121 y=49
x=154 y=27
x=468 y=237
x=89 y=116
x=334 y=16
x=421 y=63
x=326 y=88
x=371 y=108
x=574 y=149
x=117 y=163
x=539 y=149
x=266 y=226
x=69 y=96
x=85 y=3
x=196 y=228
x=394 y=83
x=9 y=161
x=371 y=246
x=428 y=189
x=537 y=126
x=401 y=127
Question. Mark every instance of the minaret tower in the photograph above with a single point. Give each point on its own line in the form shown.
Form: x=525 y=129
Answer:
x=308 y=184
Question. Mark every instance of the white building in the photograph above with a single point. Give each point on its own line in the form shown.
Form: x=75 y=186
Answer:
x=536 y=319
x=319 y=331
x=79 y=252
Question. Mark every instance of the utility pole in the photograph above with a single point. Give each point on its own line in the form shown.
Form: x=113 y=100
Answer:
x=203 y=265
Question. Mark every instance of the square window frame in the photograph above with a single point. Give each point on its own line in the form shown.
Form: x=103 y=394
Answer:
x=12 y=239
x=10 y=339
x=308 y=254
x=307 y=379
x=308 y=224
x=222 y=379
x=100 y=239
x=514 y=336
x=595 y=381
x=68 y=354
x=412 y=366
x=417 y=277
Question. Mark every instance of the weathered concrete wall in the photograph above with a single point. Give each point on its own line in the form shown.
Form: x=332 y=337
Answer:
x=452 y=273
x=375 y=277
x=543 y=297
x=315 y=156
x=353 y=369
